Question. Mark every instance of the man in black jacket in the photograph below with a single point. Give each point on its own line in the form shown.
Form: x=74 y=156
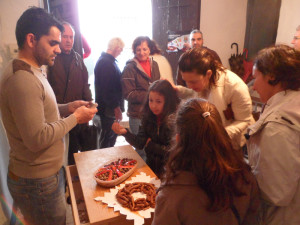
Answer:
x=69 y=79
x=108 y=91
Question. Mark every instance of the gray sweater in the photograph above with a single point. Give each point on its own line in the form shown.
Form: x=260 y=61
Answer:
x=32 y=121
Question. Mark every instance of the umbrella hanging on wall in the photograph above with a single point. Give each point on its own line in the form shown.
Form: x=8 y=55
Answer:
x=248 y=66
x=236 y=62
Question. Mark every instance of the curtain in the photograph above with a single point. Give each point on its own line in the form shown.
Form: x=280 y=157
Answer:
x=261 y=24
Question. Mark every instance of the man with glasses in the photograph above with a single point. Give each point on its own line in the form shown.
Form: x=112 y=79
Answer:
x=296 y=39
x=69 y=79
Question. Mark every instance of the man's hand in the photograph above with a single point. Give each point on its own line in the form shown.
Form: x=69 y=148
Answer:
x=84 y=114
x=118 y=129
x=118 y=114
x=92 y=105
x=72 y=106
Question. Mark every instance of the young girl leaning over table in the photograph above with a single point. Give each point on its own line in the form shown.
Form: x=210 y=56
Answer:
x=206 y=182
x=155 y=132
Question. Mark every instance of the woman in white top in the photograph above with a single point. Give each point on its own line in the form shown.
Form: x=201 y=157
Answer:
x=207 y=78
x=164 y=66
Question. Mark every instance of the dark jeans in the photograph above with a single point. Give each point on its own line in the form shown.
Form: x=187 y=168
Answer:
x=107 y=136
x=81 y=138
x=41 y=200
x=134 y=125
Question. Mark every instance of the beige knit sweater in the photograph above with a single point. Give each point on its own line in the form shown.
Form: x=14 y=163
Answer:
x=32 y=121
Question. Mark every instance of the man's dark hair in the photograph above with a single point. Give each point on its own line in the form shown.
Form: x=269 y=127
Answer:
x=36 y=21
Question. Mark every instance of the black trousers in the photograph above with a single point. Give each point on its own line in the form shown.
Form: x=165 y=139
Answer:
x=81 y=138
x=107 y=136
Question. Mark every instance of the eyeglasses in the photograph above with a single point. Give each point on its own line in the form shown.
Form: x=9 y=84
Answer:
x=296 y=38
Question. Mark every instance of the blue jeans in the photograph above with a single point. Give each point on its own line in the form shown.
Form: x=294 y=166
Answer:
x=107 y=137
x=134 y=125
x=42 y=200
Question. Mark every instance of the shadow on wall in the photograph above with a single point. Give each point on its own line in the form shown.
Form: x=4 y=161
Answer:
x=7 y=52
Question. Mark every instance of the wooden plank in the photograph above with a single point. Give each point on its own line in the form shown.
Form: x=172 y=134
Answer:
x=87 y=163
x=71 y=171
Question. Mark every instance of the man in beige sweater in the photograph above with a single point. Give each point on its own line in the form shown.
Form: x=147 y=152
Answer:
x=33 y=121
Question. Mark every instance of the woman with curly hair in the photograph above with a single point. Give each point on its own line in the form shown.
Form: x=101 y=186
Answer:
x=274 y=140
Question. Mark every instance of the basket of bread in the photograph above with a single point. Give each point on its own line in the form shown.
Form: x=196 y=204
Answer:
x=115 y=172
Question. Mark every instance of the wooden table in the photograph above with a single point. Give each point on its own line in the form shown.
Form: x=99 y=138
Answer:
x=87 y=163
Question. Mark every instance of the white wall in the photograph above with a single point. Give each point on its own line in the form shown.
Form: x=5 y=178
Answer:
x=222 y=23
x=288 y=21
x=10 y=11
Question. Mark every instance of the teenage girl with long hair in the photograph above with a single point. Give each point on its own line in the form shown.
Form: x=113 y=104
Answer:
x=156 y=130
x=207 y=182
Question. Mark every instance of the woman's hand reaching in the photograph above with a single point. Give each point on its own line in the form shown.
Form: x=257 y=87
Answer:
x=148 y=140
x=118 y=129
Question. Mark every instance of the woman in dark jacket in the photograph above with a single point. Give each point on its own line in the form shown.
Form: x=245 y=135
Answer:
x=137 y=76
x=156 y=128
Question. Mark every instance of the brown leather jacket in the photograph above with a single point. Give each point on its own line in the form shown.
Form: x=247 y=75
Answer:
x=70 y=86
x=135 y=84
x=184 y=203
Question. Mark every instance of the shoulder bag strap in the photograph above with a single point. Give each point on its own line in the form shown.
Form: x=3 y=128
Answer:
x=236 y=213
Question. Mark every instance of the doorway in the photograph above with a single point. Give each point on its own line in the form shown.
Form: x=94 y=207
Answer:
x=102 y=20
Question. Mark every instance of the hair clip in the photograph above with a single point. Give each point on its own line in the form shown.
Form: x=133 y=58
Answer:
x=205 y=114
